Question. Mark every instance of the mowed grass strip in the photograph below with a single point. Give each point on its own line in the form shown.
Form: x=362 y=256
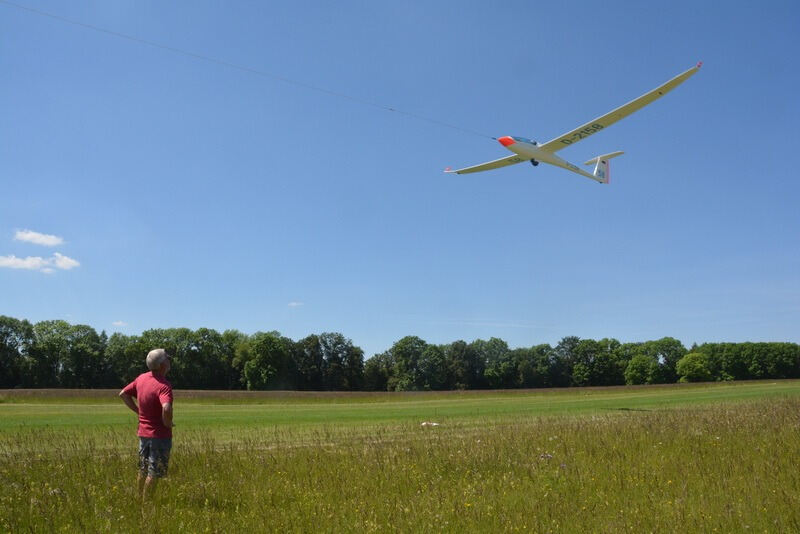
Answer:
x=727 y=466
x=198 y=410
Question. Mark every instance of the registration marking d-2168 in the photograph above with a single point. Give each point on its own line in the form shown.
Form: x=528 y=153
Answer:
x=586 y=132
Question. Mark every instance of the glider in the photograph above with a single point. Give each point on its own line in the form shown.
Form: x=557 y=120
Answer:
x=527 y=150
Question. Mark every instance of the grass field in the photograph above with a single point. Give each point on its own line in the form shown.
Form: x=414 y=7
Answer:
x=682 y=458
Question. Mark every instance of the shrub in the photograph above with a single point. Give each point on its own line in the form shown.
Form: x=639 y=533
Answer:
x=694 y=367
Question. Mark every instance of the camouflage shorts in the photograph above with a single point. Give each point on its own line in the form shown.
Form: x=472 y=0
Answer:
x=154 y=456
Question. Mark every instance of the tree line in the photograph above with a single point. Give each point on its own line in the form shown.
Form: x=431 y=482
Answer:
x=57 y=354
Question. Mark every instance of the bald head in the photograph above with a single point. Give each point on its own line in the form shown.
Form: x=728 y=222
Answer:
x=156 y=358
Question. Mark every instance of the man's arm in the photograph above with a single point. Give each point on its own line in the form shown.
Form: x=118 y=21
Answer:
x=166 y=414
x=129 y=402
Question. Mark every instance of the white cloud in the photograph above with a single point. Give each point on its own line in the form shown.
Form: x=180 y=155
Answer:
x=37 y=263
x=295 y=304
x=34 y=263
x=64 y=262
x=119 y=323
x=37 y=238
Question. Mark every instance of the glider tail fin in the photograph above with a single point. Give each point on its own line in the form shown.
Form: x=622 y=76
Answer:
x=602 y=170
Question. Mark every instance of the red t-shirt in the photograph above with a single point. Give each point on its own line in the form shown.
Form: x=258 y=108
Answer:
x=151 y=391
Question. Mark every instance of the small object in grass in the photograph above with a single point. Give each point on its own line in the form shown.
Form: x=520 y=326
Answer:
x=429 y=423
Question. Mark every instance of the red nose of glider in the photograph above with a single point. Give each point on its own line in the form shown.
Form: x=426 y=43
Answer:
x=506 y=141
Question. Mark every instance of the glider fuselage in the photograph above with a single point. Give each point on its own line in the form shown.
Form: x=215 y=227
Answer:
x=529 y=150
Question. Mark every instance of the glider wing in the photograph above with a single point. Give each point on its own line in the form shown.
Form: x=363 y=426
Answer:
x=502 y=162
x=592 y=127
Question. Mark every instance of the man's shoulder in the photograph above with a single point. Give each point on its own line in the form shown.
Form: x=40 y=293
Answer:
x=154 y=381
x=144 y=378
x=139 y=379
x=165 y=384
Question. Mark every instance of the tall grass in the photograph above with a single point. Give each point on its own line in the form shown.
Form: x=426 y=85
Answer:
x=723 y=468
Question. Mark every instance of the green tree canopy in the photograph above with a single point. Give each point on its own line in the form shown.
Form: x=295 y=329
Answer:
x=694 y=368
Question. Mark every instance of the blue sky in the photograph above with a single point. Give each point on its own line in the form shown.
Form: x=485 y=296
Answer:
x=193 y=194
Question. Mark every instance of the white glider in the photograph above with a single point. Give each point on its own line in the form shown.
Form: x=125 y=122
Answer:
x=527 y=150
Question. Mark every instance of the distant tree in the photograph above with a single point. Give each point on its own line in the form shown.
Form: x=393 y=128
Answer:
x=406 y=354
x=540 y=358
x=328 y=361
x=463 y=365
x=242 y=354
x=666 y=351
x=58 y=354
x=269 y=357
x=83 y=362
x=781 y=360
x=107 y=379
x=342 y=362
x=125 y=355
x=739 y=361
x=49 y=352
x=232 y=341
x=715 y=358
x=334 y=348
x=209 y=359
x=526 y=370
x=625 y=352
x=377 y=372
x=354 y=368
x=563 y=359
x=693 y=368
x=638 y=369
x=480 y=356
x=16 y=339
x=609 y=367
x=65 y=355
x=433 y=368
x=732 y=362
x=493 y=354
x=596 y=363
x=581 y=374
x=502 y=365
x=309 y=363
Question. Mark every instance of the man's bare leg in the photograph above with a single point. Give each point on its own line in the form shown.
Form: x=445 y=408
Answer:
x=149 y=488
x=140 y=480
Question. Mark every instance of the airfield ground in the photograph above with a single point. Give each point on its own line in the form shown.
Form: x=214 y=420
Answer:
x=681 y=458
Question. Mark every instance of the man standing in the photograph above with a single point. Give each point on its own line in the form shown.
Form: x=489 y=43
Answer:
x=154 y=395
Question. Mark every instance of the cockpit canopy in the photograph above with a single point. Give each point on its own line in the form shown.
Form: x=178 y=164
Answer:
x=523 y=140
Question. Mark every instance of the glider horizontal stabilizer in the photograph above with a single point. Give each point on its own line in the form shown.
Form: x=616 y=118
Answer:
x=602 y=169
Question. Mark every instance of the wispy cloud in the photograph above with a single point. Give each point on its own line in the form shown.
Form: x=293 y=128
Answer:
x=64 y=262
x=37 y=238
x=37 y=263
x=295 y=304
x=119 y=323
x=34 y=263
